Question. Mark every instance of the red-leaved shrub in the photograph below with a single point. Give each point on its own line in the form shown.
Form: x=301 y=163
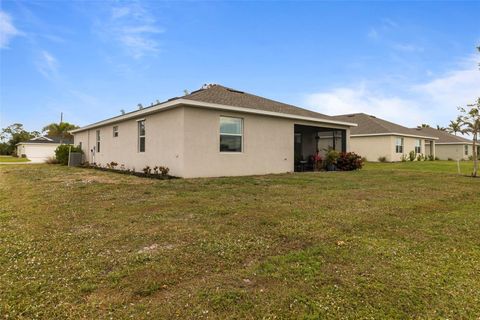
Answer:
x=348 y=161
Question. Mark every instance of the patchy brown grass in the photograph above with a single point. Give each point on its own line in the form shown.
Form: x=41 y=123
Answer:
x=390 y=241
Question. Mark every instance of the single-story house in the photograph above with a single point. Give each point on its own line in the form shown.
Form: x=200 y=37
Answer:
x=376 y=138
x=211 y=132
x=39 y=149
x=449 y=146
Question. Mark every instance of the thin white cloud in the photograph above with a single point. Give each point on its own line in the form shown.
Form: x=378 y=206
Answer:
x=454 y=88
x=7 y=30
x=135 y=29
x=387 y=22
x=379 y=31
x=407 y=47
x=47 y=65
x=433 y=102
x=120 y=12
x=373 y=34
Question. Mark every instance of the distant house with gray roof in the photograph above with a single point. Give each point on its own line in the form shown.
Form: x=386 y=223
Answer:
x=449 y=146
x=40 y=149
x=376 y=138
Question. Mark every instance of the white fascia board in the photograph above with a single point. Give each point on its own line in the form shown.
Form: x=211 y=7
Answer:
x=392 y=134
x=42 y=138
x=171 y=104
x=131 y=115
x=38 y=144
x=453 y=143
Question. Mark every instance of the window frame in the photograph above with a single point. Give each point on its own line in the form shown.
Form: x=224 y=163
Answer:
x=139 y=136
x=465 y=150
x=115 y=131
x=241 y=134
x=419 y=146
x=98 y=140
x=402 y=145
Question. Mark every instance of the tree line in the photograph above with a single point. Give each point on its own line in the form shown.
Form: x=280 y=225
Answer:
x=16 y=133
x=467 y=122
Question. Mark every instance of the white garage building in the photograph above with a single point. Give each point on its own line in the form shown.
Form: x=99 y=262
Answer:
x=39 y=149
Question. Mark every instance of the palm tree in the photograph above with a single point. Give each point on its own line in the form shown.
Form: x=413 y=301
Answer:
x=455 y=126
x=441 y=128
x=423 y=125
x=60 y=130
x=470 y=120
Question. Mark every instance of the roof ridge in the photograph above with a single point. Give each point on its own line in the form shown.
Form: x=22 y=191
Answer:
x=445 y=134
x=253 y=95
x=379 y=122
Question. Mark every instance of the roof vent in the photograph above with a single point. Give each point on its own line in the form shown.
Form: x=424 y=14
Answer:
x=236 y=91
x=208 y=85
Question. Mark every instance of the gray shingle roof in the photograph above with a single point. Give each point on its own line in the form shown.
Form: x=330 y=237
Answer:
x=226 y=96
x=46 y=140
x=220 y=95
x=368 y=124
x=443 y=137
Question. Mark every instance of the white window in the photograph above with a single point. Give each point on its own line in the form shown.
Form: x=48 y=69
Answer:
x=98 y=141
x=231 y=134
x=466 y=150
x=141 y=136
x=399 y=145
x=115 y=131
x=418 y=146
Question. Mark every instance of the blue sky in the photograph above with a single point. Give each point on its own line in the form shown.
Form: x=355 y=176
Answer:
x=408 y=62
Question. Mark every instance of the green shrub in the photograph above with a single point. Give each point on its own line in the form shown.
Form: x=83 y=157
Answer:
x=61 y=153
x=403 y=158
x=331 y=159
x=382 y=159
x=411 y=155
x=420 y=157
x=430 y=157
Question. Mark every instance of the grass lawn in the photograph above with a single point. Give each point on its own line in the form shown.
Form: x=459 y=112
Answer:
x=390 y=241
x=12 y=159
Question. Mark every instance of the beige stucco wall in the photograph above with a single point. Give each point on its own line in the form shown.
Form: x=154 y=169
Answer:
x=373 y=147
x=268 y=144
x=409 y=145
x=453 y=151
x=186 y=139
x=164 y=142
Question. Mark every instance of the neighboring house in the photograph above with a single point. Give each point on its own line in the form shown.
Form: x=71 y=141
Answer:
x=214 y=131
x=374 y=138
x=39 y=149
x=449 y=146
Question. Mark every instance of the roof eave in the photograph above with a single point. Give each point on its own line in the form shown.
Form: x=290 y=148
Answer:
x=391 y=134
x=452 y=143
